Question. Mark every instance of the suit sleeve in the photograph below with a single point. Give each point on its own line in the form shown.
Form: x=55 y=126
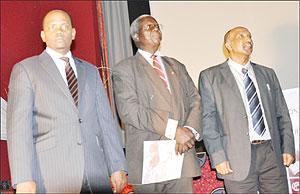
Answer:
x=131 y=111
x=210 y=121
x=22 y=157
x=112 y=145
x=192 y=96
x=283 y=119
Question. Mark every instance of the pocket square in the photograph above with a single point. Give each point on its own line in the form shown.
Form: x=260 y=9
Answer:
x=268 y=86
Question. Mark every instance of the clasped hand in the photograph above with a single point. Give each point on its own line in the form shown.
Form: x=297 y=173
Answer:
x=224 y=168
x=184 y=140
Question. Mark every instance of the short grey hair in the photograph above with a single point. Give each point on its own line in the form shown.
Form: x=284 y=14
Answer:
x=135 y=26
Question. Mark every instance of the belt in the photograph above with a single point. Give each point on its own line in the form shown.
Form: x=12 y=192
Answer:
x=257 y=142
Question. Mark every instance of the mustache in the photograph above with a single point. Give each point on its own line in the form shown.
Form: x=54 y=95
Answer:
x=249 y=42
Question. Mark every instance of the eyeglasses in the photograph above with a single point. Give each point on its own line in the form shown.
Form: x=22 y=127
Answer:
x=62 y=27
x=150 y=27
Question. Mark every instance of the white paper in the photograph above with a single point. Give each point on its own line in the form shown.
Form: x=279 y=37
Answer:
x=171 y=128
x=161 y=162
x=3 y=119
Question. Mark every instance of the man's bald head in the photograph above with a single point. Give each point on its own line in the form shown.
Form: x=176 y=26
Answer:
x=55 y=11
x=229 y=35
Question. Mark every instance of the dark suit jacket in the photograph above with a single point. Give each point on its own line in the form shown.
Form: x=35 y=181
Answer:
x=50 y=140
x=224 y=118
x=144 y=105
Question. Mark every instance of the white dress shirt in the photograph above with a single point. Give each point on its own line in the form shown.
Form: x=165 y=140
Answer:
x=61 y=64
x=236 y=69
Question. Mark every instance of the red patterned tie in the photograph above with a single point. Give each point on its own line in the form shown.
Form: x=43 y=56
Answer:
x=72 y=80
x=157 y=68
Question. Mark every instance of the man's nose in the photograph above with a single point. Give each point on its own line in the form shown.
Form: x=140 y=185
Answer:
x=248 y=39
x=156 y=28
x=59 y=29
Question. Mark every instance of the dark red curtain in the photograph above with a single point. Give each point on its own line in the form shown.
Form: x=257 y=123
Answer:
x=104 y=67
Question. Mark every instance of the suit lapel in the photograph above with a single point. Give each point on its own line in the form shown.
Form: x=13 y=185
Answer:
x=229 y=79
x=49 y=66
x=172 y=76
x=263 y=90
x=154 y=78
x=175 y=87
x=81 y=78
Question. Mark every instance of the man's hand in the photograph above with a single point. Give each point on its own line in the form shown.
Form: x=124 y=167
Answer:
x=288 y=159
x=26 y=187
x=223 y=168
x=184 y=140
x=180 y=148
x=118 y=181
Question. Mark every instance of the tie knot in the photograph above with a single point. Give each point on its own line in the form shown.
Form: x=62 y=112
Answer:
x=244 y=71
x=153 y=57
x=66 y=59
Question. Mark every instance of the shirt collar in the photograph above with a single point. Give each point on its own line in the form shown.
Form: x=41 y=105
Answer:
x=148 y=55
x=56 y=55
x=238 y=67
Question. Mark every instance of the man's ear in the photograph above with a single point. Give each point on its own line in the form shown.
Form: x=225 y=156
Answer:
x=136 y=37
x=73 y=33
x=228 y=46
x=43 y=37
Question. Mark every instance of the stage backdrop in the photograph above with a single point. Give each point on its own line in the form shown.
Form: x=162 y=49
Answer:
x=193 y=32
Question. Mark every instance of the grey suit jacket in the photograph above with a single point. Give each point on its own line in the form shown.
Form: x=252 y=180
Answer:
x=145 y=104
x=224 y=118
x=53 y=142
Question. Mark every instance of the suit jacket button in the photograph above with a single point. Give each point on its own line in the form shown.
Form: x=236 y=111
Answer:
x=80 y=120
x=247 y=133
x=79 y=143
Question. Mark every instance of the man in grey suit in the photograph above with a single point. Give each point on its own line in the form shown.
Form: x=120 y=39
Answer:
x=62 y=137
x=149 y=90
x=247 y=129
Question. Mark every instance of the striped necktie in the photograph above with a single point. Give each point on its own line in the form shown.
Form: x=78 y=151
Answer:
x=72 y=80
x=157 y=68
x=254 y=104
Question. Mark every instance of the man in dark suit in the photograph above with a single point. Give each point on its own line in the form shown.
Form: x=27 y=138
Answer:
x=149 y=90
x=62 y=137
x=247 y=129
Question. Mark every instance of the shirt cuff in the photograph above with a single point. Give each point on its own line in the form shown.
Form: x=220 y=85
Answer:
x=196 y=134
x=170 y=131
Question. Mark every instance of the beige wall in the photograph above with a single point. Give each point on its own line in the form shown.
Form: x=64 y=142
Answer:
x=193 y=33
